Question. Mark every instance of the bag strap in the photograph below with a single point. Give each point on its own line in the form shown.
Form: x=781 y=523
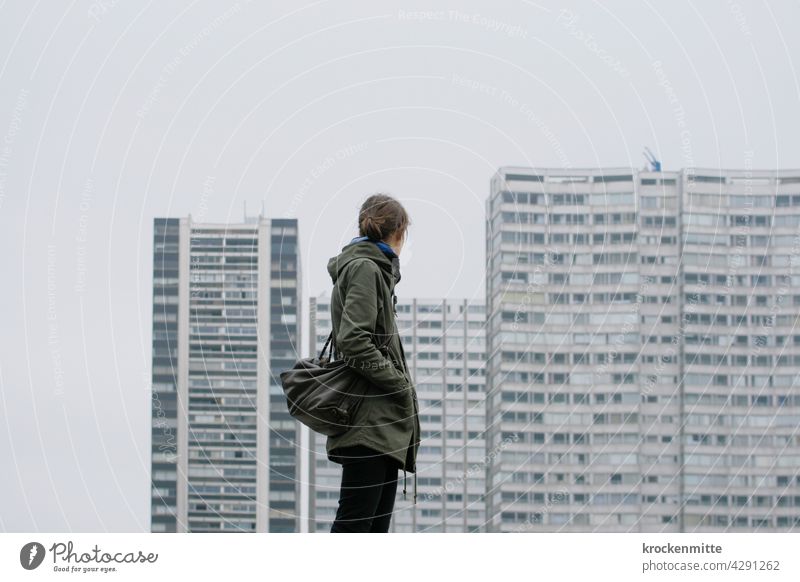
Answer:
x=334 y=352
x=327 y=341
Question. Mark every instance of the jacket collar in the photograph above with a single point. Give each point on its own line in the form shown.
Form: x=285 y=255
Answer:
x=387 y=250
x=387 y=259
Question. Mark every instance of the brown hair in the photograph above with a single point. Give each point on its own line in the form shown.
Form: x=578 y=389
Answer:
x=381 y=216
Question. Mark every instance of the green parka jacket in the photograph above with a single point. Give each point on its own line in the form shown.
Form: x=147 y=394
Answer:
x=363 y=318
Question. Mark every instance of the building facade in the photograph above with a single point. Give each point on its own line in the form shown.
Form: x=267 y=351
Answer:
x=226 y=320
x=642 y=370
x=445 y=349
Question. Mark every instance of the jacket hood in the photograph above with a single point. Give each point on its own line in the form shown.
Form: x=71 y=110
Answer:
x=365 y=249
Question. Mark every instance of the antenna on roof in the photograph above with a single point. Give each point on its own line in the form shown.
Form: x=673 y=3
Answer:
x=655 y=164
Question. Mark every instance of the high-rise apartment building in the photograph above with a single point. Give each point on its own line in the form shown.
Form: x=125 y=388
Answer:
x=643 y=362
x=444 y=342
x=226 y=320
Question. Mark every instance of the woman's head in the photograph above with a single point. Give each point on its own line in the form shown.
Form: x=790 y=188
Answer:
x=383 y=218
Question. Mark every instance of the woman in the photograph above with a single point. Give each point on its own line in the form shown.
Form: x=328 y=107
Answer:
x=385 y=433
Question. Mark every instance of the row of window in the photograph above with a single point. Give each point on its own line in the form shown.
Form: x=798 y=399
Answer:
x=636 y=438
x=567 y=199
x=565 y=218
x=578 y=238
x=713 y=200
x=618 y=218
x=565 y=498
x=740 y=220
x=722 y=201
x=527 y=520
x=740 y=240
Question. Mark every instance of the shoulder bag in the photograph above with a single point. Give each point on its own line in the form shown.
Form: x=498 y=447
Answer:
x=324 y=393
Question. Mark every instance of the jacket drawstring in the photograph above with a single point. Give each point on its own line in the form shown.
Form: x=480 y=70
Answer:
x=415 y=486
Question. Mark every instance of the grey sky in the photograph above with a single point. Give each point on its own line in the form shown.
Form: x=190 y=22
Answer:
x=114 y=112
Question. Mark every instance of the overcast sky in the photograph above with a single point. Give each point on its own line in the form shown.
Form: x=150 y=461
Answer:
x=114 y=112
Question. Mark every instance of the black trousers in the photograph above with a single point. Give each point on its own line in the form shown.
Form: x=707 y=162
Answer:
x=367 y=493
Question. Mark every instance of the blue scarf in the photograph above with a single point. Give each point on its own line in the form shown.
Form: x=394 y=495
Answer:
x=387 y=250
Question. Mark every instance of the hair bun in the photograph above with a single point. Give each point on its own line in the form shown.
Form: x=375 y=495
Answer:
x=381 y=216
